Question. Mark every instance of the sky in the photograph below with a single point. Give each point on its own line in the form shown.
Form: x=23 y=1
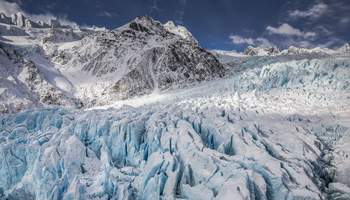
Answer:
x=216 y=24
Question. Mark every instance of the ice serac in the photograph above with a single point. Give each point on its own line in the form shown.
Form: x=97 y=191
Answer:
x=276 y=127
x=179 y=151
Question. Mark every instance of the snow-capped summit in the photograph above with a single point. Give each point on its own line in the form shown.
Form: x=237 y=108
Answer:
x=179 y=30
x=102 y=66
x=137 y=58
x=174 y=122
x=260 y=51
x=299 y=51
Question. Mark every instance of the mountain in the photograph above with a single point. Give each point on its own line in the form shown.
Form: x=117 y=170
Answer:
x=25 y=84
x=136 y=59
x=179 y=30
x=259 y=51
x=143 y=112
x=273 y=51
x=97 y=67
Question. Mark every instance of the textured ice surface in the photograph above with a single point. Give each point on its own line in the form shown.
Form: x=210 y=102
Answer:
x=276 y=128
x=232 y=147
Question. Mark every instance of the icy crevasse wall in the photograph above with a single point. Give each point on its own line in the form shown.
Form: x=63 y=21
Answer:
x=197 y=152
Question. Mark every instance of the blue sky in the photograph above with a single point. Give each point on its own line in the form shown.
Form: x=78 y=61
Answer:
x=217 y=24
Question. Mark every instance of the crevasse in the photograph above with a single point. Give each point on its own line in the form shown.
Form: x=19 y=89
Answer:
x=169 y=153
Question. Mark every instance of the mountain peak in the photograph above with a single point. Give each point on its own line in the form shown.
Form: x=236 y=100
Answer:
x=145 y=24
x=261 y=51
x=145 y=18
x=179 y=30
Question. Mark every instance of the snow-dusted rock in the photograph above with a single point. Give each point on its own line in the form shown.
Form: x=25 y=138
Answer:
x=179 y=30
x=136 y=59
x=139 y=58
x=260 y=51
x=276 y=127
x=24 y=85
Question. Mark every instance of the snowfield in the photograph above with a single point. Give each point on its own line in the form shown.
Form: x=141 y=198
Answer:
x=276 y=126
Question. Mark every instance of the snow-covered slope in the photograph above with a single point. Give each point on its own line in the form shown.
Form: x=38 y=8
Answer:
x=138 y=58
x=101 y=66
x=276 y=127
x=26 y=84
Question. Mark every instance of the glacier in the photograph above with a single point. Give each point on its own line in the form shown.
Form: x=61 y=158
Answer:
x=276 y=128
x=232 y=147
x=262 y=125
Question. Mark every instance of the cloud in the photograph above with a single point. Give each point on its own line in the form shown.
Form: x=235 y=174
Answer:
x=322 y=24
x=106 y=14
x=260 y=41
x=287 y=30
x=11 y=8
x=315 y=11
x=236 y=39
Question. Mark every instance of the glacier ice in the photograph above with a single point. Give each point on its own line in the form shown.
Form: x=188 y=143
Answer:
x=200 y=151
x=277 y=127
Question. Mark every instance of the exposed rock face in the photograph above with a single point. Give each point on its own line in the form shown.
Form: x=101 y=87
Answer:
x=59 y=35
x=23 y=83
x=276 y=129
x=143 y=57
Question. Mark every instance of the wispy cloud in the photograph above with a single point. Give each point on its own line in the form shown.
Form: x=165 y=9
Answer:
x=236 y=39
x=9 y=8
x=260 y=41
x=315 y=11
x=106 y=14
x=288 y=30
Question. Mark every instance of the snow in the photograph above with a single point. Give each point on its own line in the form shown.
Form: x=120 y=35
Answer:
x=276 y=127
x=179 y=30
x=216 y=143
